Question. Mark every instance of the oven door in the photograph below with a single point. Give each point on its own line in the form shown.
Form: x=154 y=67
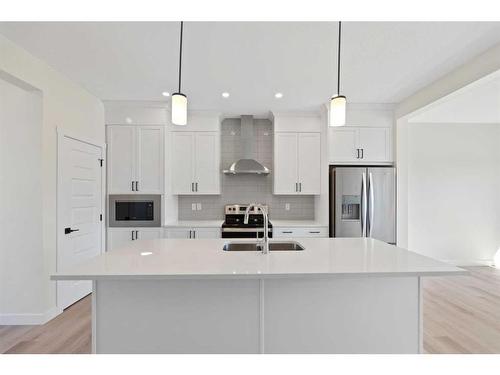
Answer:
x=135 y=210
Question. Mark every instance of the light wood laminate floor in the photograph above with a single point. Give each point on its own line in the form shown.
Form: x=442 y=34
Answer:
x=461 y=315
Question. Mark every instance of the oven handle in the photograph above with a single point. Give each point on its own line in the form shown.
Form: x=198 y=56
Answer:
x=245 y=230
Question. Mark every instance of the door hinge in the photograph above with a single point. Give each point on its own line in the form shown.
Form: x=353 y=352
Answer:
x=100 y=217
x=100 y=161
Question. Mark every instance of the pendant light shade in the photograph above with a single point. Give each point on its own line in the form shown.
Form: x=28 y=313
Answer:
x=179 y=100
x=179 y=109
x=338 y=103
x=337 y=110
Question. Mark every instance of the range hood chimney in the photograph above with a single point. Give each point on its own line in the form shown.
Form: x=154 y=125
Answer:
x=247 y=165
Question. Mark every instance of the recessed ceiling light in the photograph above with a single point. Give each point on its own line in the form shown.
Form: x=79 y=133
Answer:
x=225 y=95
x=128 y=120
x=165 y=93
x=144 y=253
x=278 y=95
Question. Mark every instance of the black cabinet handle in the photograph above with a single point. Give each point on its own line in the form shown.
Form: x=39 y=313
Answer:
x=69 y=230
x=133 y=186
x=362 y=153
x=287 y=231
x=357 y=150
x=314 y=231
x=137 y=186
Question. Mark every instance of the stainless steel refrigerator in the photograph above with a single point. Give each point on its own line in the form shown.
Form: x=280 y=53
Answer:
x=363 y=202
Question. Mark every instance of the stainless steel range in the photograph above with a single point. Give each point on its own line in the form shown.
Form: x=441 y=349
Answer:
x=234 y=227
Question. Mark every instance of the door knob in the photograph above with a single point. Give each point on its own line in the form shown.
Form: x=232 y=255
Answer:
x=69 y=230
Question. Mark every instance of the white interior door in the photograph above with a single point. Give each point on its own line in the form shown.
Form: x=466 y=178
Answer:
x=79 y=199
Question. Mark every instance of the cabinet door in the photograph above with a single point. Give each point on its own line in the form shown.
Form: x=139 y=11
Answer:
x=207 y=233
x=121 y=159
x=149 y=173
x=182 y=162
x=178 y=232
x=343 y=145
x=207 y=163
x=375 y=144
x=118 y=237
x=285 y=163
x=309 y=163
x=150 y=233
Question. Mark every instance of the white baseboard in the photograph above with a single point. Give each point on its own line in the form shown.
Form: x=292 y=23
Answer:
x=29 y=319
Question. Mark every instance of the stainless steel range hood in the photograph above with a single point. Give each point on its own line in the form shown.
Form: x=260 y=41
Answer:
x=247 y=164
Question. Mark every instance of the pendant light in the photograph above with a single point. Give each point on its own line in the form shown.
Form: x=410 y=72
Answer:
x=179 y=100
x=338 y=102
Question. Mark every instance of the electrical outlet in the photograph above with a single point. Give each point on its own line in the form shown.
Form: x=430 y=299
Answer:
x=198 y=206
x=193 y=206
x=287 y=206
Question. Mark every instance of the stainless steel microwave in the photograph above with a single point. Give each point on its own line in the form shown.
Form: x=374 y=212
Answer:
x=135 y=210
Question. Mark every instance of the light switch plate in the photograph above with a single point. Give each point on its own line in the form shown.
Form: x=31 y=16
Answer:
x=193 y=206
x=287 y=206
x=198 y=206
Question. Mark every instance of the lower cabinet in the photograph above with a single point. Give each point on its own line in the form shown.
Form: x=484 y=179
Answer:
x=118 y=237
x=193 y=233
x=282 y=232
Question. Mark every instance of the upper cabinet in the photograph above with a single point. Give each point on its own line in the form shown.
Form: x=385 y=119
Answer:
x=360 y=145
x=367 y=138
x=297 y=163
x=195 y=162
x=135 y=159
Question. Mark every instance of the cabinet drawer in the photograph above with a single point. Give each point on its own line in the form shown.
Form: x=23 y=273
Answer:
x=300 y=232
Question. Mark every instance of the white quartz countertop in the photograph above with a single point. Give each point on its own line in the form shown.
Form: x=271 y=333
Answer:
x=204 y=258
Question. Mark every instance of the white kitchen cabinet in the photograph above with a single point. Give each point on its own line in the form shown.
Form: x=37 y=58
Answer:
x=193 y=233
x=297 y=232
x=118 y=237
x=135 y=159
x=297 y=163
x=360 y=145
x=195 y=163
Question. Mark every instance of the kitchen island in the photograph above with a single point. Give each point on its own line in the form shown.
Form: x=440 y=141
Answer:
x=338 y=295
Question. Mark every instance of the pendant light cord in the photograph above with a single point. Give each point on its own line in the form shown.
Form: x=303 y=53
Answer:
x=180 y=56
x=338 y=60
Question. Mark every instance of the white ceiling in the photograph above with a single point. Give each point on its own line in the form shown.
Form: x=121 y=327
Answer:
x=382 y=62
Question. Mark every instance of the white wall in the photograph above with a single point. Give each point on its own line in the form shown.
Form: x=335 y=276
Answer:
x=66 y=105
x=20 y=197
x=453 y=191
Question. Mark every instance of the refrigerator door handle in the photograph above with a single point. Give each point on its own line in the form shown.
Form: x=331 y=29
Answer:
x=363 y=205
x=371 y=204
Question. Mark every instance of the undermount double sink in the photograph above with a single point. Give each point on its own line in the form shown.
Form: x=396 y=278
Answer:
x=257 y=246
